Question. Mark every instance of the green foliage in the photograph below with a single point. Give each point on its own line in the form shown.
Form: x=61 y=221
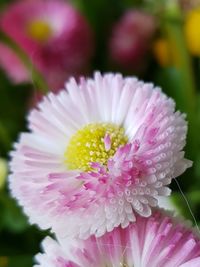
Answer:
x=12 y=118
x=188 y=205
x=13 y=219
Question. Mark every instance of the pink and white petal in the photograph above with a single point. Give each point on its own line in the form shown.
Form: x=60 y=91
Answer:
x=192 y=263
x=159 y=241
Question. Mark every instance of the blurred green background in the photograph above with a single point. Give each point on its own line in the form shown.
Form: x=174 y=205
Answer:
x=171 y=60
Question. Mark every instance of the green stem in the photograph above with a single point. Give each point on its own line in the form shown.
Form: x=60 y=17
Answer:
x=173 y=28
x=4 y=136
x=175 y=35
x=37 y=78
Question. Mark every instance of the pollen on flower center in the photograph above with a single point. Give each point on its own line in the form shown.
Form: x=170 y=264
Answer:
x=39 y=30
x=96 y=142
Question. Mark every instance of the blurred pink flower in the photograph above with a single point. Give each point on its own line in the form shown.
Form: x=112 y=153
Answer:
x=157 y=241
x=97 y=154
x=131 y=38
x=54 y=35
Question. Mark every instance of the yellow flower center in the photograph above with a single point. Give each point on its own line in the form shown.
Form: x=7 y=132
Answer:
x=39 y=30
x=96 y=142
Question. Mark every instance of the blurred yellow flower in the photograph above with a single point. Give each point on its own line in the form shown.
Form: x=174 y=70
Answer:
x=161 y=50
x=3 y=172
x=192 y=31
x=3 y=261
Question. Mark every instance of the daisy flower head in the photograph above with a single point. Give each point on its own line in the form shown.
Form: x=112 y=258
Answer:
x=156 y=241
x=38 y=27
x=97 y=154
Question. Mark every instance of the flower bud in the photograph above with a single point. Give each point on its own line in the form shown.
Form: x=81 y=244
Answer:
x=131 y=39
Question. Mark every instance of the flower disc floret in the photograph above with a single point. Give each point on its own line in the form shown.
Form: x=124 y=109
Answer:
x=39 y=30
x=96 y=142
x=66 y=185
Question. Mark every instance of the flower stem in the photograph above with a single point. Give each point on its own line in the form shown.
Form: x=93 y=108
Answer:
x=173 y=28
x=5 y=137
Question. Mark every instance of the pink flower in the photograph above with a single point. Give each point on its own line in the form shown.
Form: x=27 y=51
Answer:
x=53 y=34
x=130 y=40
x=97 y=154
x=157 y=241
